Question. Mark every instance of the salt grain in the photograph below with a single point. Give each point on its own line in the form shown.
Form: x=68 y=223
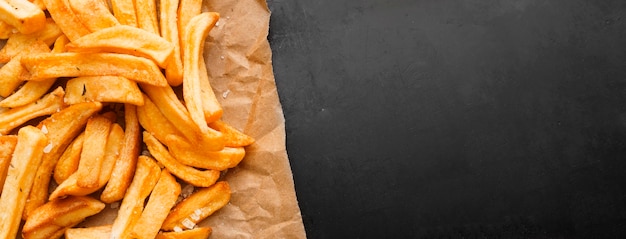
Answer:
x=44 y=129
x=225 y=94
x=178 y=229
x=48 y=148
x=188 y=223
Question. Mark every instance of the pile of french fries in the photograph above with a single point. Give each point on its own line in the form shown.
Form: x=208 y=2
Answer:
x=108 y=103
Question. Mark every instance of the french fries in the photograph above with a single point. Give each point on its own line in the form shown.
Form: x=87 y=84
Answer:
x=162 y=199
x=22 y=14
x=7 y=145
x=15 y=117
x=93 y=14
x=196 y=233
x=197 y=207
x=88 y=232
x=102 y=89
x=68 y=162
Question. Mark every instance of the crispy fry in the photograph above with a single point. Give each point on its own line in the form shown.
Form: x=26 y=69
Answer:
x=198 y=206
x=162 y=199
x=6 y=30
x=28 y=93
x=124 y=11
x=194 y=36
x=188 y=174
x=63 y=15
x=7 y=145
x=60 y=43
x=88 y=232
x=53 y=218
x=169 y=31
x=94 y=14
x=92 y=155
x=19 y=43
x=125 y=165
x=196 y=233
x=20 y=176
x=10 y=73
x=103 y=89
x=62 y=127
x=52 y=65
x=187 y=154
x=68 y=162
x=187 y=9
x=154 y=121
x=145 y=178
x=23 y=15
x=127 y=40
x=15 y=117
x=232 y=136
x=147 y=15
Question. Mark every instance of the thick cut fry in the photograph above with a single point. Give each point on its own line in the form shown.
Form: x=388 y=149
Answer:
x=19 y=43
x=88 y=232
x=94 y=14
x=162 y=199
x=15 y=117
x=145 y=178
x=7 y=145
x=212 y=109
x=10 y=73
x=124 y=11
x=61 y=128
x=188 y=174
x=125 y=165
x=196 y=233
x=53 y=65
x=232 y=136
x=23 y=167
x=187 y=9
x=186 y=153
x=127 y=40
x=169 y=30
x=6 y=30
x=165 y=99
x=60 y=43
x=28 y=93
x=68 y=162
x=198 y=206
x=63 y=15
x=103 y=89
x=23 y=15
x=153 y=121
x=147 y=15
x=194 y=35
x=92 y=155
x=52 y=219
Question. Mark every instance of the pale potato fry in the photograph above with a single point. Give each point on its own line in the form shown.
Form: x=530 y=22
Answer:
x=61 y=128
x=94 y=14
x=198 y=206
x=147 y=15
x=19 y=43
x=124 y=11
x=194 y=36
x=162 y=199
x=23 y=15
x=186 y=153
x=20 y=177
x=7 y=145
x=169 y=30
x=103 y=89
x=212 y=109
x=10 y=73
x=88 y=232
x=145 y=178
x=52 y=219
x=125 y=165
x=196 y=233
x=94 y=149
x=199 y=178
x=232 y=136
x=52 y=65
x=63 y=15
x=50 y=103
x=127 y=40
x=68 y=162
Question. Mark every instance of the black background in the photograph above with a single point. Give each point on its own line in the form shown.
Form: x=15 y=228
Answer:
x=455 y=118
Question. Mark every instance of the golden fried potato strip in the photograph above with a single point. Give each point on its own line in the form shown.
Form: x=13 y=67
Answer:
x=52 y=219
x=127 y=40
x=190 y=155
x=23 y=15
x=7 y=145
x=162 y=199
x=147 y=15
x=152 y=120
x=20 y=177
x=11 y=72
x=49 y=104
x=63 y=15
x=187 y=9
x=196 y=233
x=68 y=162
x=94 y=14
x=103 y=89
x=232 y=136
x=169 y=30
x=124 y=11
x=6 y=30
x=198 y=206
x=19 y=43
x=94 y=149
x=88 y=232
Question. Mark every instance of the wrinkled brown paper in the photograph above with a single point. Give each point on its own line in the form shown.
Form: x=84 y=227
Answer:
x=239 y=60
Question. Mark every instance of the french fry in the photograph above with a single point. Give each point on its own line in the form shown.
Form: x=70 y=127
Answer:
x=61 y=128
x=125 y=165
x=88 y=232
x=124 y=11
x=145 y=178
x=152 y=120
x=169 y=30
x=127 y=40
x=94 y=14
x=187 y=9
x=60 y=43
x=232 y=136
x=23 y=15
x=19 y=43
x=186 y=153
x=186 y=173
x=147 y=15
x=52 y=219
x=6 y=30
x=197 y=207
x=20 y=176
x=162 y=199
x=10 y=73
x=7 y=145
x=63 y=15
x=94 y=149
x=196 y=233
x=50 y=103
x=103 y=89
x=68 y=162
x=52 y=65
x=194 y=36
